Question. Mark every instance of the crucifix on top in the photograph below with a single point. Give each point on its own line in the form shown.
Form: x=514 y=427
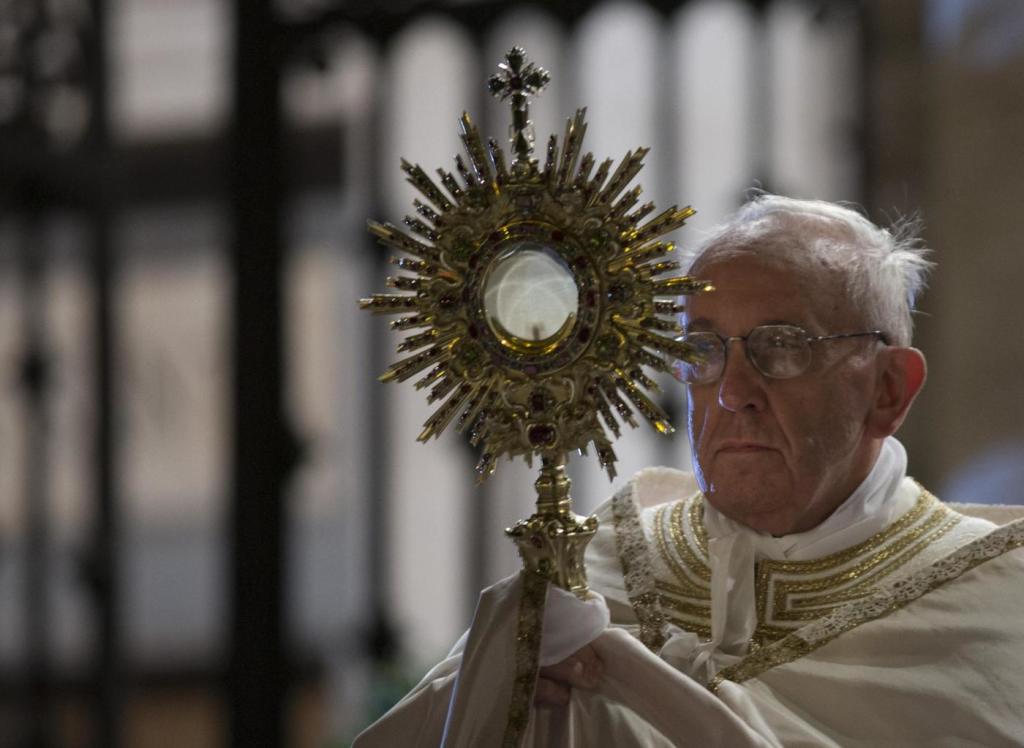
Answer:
x=519 y=79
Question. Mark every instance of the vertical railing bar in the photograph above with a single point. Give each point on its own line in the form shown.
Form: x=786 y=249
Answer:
x=263 y=447
x=381 y=638
x=105 y=554
x=35 y=384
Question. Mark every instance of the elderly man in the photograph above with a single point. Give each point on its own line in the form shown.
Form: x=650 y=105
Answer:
x=798 y=588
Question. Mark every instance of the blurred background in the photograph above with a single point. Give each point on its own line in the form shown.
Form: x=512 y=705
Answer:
x=216 y=528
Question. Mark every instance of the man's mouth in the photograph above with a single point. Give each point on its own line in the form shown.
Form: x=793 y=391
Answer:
x=743 y=447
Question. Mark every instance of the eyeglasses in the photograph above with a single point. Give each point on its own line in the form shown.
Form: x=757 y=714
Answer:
x=777 y=351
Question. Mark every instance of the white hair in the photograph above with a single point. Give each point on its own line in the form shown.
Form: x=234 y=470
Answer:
x=882 y=271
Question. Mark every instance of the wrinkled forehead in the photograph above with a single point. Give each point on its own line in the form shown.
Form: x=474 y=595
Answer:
x=815 y=245
x=784 y=266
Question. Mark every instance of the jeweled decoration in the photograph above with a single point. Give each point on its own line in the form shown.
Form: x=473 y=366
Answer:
x=537 y=391
x=536 y=296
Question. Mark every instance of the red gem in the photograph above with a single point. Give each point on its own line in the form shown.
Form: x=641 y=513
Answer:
x=541 y=435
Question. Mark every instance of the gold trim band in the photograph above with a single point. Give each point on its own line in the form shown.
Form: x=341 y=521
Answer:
x=882 y=602
x=528 y=636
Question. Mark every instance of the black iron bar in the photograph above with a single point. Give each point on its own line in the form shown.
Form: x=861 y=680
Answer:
x=263 y=447
x=104 y=558
x=35 y=381
x=381 y=638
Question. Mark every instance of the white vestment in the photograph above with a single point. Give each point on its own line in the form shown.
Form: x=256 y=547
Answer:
x=895 y=622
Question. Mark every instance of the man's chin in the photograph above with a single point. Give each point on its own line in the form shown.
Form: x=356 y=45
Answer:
x=751 y=502
x=745 y=467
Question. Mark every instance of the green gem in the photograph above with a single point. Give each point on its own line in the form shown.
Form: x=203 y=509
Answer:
x=462 y=248
x=607 y=345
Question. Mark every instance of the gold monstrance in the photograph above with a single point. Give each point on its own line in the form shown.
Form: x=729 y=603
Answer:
x=541 y=299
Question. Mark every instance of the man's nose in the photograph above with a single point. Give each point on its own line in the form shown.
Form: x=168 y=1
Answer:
x=741 y=386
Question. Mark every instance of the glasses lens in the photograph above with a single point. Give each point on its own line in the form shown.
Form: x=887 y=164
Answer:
x=710 y=357
x=779 y=351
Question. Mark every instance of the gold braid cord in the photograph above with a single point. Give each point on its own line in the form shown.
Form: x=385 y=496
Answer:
x=528 y=635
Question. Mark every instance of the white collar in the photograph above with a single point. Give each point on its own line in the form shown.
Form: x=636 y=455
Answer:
x=733 y=550
x=869 y=508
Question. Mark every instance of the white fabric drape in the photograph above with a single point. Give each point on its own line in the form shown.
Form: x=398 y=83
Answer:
x=931 y=657
x=943 y=670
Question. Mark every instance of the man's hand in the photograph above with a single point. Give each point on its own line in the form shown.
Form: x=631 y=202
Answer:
x=583 y=669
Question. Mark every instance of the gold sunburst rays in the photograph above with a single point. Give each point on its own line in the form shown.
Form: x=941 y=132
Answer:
x=570 y=390
x=531 y=299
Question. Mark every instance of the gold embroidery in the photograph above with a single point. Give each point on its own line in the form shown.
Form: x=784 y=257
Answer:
x=685 y=607
x=528 y=634
x=687 y=600
x=700 y=533
x=674 y=589
x=688 y=615
x=687 y=586
x=861 y=573
x=637 y=572
x=783 y=592
x=925 y=501
x=696 y=565
x=765 y=633
x=866 y=586
x=881 y=602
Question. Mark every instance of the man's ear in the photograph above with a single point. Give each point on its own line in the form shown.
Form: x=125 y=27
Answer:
x=901 y=375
